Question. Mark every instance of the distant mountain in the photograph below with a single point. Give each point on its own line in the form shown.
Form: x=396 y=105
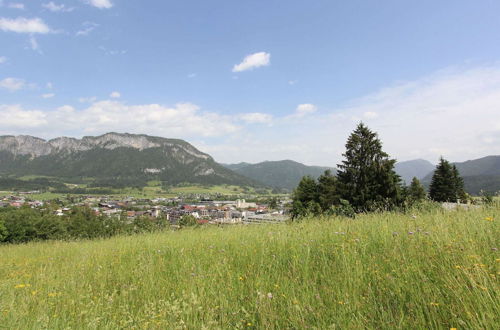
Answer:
x=418 y=168
x=113 y=157
x=478 y=174
x=283 y=174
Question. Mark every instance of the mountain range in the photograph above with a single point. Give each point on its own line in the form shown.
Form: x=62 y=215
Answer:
x=478 y=174
x=113 y=157
x=116 y=159
x=283 y=174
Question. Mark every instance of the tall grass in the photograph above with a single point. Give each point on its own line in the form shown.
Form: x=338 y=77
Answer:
x=436 y=270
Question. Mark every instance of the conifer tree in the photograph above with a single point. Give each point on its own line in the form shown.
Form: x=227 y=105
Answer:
x=459 y=185
x=416 y=191
x=446 y=184
x=366 y=177
x=328 y=193
x=305 y=197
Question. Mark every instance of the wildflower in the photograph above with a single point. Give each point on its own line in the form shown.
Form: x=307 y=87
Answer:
x=434 y=304
x=458 y=267
x=413 y=216
x=341 y=303
x=241 y=278
x=410 y=233
x=249 y=324
x=34 y=292
x=20 y=286
x=269 y=295
x=488 y=218
x=453 y=328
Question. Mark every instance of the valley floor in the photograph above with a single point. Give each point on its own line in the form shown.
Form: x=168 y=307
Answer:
x=435 y=270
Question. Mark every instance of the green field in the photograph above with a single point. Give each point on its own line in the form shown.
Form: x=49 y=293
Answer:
x=153 y=190
x=438 y=270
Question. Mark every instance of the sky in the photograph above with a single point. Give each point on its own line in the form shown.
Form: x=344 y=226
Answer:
x=257 y=80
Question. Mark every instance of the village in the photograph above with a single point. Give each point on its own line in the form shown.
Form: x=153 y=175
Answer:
x=203 y=209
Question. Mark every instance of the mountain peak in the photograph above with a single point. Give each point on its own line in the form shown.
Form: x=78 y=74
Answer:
x=115 y=156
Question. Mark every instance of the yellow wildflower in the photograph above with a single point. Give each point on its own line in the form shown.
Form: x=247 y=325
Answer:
x=488 y=218
x=20 y=286
x=434 y=304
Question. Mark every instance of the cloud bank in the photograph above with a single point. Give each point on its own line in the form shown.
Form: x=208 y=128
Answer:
x=454 y=113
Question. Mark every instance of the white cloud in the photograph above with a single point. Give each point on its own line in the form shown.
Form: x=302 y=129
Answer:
x=304 y=110
x=34 y=44
x=12 y=84
x=50 y=85
x=90 y=99
x=292 y=82
x=57 y=7
x=16 y=5
x=256 y=118
x=24 y=25
x=3 y=59
x=15 y=117
x=101 y=4
x=192 y=75
x=113 y=52
x=370 y=115
x=115 y=95
x=182 y=120
x=253 y=61
x=48 y=95
x=87 y=28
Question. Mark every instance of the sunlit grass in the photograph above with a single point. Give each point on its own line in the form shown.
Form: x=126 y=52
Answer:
x=436 y=270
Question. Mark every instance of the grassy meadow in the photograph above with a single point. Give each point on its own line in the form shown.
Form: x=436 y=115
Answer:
x=434 y=270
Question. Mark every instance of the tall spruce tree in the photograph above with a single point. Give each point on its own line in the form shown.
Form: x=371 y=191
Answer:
x=446 y=184
x=366 y=177
x=416 y=191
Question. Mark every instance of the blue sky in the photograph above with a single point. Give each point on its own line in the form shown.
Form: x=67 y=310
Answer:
x=257 y=80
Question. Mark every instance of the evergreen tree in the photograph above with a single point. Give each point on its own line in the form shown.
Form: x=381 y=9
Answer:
x=415 y=192
x=458 y=185
x=366 y=177
x=328 y=191
x=305 y=197
x=446 y=184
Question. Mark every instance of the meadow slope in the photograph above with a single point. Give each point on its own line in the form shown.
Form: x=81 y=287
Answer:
x=438 y=270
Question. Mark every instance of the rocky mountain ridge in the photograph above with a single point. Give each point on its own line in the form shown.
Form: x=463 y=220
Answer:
x=36 y=147
x=114 y=157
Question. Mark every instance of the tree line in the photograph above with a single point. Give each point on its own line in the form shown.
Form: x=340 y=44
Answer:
x=366 y=181
x=27 y=224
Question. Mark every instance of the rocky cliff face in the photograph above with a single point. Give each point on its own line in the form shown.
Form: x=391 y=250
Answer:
x=36 y=147
x=113 y=156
